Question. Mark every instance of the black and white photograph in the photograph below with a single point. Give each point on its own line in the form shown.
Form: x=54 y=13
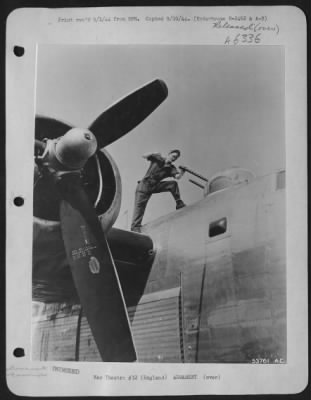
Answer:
x=159 y=204
x=156 y=235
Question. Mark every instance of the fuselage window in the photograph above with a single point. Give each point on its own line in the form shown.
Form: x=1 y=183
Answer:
x=218 y=227
x=280 y=180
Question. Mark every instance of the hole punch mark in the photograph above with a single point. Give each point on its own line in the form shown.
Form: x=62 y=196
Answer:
x=19 y=352
x=18 y=51
x=18 y=201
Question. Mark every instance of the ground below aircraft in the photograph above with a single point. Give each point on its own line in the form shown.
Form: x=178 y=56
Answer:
x=206 y=283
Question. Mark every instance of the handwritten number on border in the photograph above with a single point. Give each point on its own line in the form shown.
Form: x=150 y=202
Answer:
x=245 y=38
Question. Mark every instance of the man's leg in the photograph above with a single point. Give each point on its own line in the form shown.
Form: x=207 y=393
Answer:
x=141 y=200
x=173 y=188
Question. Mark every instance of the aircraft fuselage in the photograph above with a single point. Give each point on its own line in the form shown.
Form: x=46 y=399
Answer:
x=215 y=291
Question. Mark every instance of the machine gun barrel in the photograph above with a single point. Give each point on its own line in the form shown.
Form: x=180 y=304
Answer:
x=193 y=173
x=196 y=183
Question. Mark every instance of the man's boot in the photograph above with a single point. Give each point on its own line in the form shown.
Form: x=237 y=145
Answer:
x=180 y=204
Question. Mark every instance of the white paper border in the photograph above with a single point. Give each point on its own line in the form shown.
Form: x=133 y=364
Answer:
x=30 y=27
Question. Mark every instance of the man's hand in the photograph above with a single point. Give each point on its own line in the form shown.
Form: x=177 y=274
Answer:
x=180 y=173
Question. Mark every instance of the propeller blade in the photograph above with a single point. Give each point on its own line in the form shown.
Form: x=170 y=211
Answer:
x=49 y=128
x=126 y=114
x=94 y=273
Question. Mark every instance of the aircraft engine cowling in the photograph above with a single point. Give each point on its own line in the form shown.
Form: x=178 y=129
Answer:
x=52 y=280
x=108 y=188
x=102 y=182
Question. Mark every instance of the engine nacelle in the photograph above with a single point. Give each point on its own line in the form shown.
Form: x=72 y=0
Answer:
x=102 y=183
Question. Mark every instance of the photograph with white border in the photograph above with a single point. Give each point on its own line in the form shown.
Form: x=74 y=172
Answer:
x=164 y=216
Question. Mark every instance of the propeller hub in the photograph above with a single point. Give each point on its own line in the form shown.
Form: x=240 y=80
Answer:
x=74 y=148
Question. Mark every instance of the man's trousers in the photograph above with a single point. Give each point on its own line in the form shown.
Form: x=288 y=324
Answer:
x=142 y=196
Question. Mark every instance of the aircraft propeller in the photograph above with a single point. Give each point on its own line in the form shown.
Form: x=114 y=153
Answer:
x=61 y=159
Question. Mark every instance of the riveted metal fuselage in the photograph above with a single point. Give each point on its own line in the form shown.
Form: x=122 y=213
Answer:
x=216 y=288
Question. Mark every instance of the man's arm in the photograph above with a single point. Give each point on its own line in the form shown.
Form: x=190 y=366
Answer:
x=151 y=156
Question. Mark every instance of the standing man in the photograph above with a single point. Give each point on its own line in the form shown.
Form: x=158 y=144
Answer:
x=160 y=168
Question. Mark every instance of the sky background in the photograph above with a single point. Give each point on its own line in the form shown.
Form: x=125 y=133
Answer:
x=225 y=107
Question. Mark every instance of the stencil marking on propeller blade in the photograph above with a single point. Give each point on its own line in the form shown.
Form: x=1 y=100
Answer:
x=86 y=250
x=94 y=265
